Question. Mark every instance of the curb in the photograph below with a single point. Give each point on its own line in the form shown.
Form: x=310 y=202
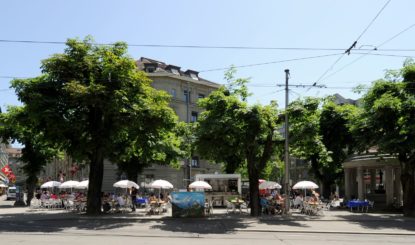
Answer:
x=329 y=232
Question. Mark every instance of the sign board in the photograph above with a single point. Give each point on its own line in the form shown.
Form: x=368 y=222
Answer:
x=188 y=204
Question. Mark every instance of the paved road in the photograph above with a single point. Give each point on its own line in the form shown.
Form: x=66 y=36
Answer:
x=25 y=226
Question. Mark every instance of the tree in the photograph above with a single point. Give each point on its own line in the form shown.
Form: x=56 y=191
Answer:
x=86 y=99
x=306 y=141
x=156 y=144
x=16 y=125
x=228 y=101
x=232 y=132
x=321 y=135
x=387 y=121
x=337 y=138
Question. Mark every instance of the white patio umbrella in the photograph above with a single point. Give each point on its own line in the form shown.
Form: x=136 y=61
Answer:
x=125 y=184
x=200 y=185
x=83 y=185
x=161 y=184
x=305 y=185
x=3 y=185
x=270 y=185
x=50 y=184
x=69 y=184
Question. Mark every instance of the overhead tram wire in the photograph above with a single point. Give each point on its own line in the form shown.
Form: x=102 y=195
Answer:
x=203 y=46
x=352 y=46
x=269 y=63
x=371 y=51
x=373 y=20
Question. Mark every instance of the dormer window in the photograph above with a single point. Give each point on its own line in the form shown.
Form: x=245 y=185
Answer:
x=173 y=69
x=192 y=74
x=150 y=67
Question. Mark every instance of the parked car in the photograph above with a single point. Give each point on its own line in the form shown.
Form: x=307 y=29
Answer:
x=11 y=193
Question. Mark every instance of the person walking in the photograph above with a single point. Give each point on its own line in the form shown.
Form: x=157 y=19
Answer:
x=133 y=198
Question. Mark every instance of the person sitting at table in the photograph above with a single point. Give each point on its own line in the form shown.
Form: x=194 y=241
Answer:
x=265 y=207
x=278 y=198
x=316 y=195
x=152 y=199
x=38 y=194
x=313 y=199
x=44 y=196
x=298 y=201
x=120 y=202
x=106 y=206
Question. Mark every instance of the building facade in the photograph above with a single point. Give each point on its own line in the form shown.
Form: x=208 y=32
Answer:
x=185 y=88
x=372 y=176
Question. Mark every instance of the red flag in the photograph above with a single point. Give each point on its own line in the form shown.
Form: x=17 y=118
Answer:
x=7 y=170
x=12 y=178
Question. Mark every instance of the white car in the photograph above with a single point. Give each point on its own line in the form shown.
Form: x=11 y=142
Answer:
x=11 y=193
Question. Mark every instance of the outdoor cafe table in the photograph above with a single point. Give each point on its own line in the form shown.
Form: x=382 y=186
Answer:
x=357 y=204
x=236 y=204
x=141 y=201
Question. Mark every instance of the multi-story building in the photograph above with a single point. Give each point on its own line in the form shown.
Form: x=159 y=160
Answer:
x=4 y=160
x=185 y=88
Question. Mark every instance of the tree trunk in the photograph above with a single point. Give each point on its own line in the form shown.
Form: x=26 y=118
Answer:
x=31 y=186
x=253 y=189
x=96 y=173
x=132 y=175
x=408 y=186
x=327 y=188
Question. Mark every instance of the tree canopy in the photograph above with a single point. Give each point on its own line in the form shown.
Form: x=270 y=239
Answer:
x=232 y=132
x=16 y=125
x=387 y=121
x=319 y=133
x=89 y=97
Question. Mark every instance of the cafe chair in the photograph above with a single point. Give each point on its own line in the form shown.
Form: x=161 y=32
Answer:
x=229 y=206
x=371 y=205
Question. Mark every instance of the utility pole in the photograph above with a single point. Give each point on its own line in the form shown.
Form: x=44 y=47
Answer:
x=287 y=159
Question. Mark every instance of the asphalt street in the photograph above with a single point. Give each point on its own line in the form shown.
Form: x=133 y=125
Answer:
x=21 y=225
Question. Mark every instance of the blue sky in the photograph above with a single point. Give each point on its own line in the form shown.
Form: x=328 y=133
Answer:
x=284 y=24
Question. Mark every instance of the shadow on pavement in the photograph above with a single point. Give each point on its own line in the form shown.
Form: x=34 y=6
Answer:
x=56 y=222
x=50 y=221
x=380 y=221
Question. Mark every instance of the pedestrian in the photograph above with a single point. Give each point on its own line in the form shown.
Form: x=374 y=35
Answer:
x=133 y=198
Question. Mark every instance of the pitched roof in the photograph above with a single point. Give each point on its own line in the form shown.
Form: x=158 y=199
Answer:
x=161 y=68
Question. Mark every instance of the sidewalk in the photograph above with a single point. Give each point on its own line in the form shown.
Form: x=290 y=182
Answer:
x=341 y=222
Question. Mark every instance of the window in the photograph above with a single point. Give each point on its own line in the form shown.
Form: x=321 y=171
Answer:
x=194 y=117
x=149 y=178
x=194 y=76
x=173 y=92
x=195 y=162
x=200 y=96
x=175 y=71
x=150 y=69
x=186 y=97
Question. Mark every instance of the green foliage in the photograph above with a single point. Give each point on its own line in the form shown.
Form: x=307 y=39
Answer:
x=234 y=133
x=305 y=138
x=274 y=171
x=319 y=133
x=387 y=122
x=91 y=98
x=16 y=125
